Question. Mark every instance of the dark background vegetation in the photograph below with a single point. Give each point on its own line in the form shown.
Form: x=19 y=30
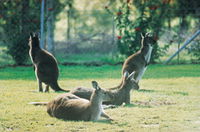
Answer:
x=105 y=31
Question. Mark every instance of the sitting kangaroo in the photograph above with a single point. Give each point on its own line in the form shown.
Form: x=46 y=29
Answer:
x=119 y=96
x=45 y=65
x=139 y=61
x=75 y=108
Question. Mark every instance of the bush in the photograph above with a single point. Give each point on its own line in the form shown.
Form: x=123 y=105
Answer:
x=17 y=21
x=150 y=18
x=18 y=49
x=195 y=49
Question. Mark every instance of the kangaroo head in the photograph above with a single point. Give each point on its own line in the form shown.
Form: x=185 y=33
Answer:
x=101 y=93
x=148 y=40
x=129 y=82
x=34 y=40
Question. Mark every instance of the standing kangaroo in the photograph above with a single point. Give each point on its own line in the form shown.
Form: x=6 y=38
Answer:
x=45 y=65
x=75 y=108
x=139 y=61
x=119 y=96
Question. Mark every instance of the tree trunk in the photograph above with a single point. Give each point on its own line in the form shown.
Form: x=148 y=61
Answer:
x=68 y=21
x=50 y=27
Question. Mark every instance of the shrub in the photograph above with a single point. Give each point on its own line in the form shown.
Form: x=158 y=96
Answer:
x=150 y=17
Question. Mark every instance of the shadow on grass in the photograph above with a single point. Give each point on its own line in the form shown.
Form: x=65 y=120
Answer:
x=169 y=93
x=104 y=121
x=147 y=91
x=181 y=93
x=137 y=105
x=61 y=92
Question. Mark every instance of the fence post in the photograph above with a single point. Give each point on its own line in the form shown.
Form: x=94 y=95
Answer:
x=50 y=21
x=42 y=25
x=184 y=45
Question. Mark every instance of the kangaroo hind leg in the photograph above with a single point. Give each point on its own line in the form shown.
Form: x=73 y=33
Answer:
x=47 y=88
x=40 y=86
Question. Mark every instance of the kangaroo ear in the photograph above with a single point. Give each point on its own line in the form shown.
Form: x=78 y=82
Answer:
x=132 y=75
x=142 y=35
x=37 y=34
x=148 y=34
x=31 y=34
x=95 y=85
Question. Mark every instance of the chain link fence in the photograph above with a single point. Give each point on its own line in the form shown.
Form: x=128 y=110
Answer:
x=76 y=36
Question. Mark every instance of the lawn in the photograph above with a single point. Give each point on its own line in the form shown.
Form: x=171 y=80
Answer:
x=106 y=71
x=167 y=101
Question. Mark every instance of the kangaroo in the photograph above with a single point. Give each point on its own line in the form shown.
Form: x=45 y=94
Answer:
x=45 y=65
x=119 y=96
x=71 y=107
x=139 y=61
x=80 y=109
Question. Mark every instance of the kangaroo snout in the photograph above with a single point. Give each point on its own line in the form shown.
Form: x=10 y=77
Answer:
x=108 y=96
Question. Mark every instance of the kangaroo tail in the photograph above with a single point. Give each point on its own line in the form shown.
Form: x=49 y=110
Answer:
x=57 y=88
x=38 y=103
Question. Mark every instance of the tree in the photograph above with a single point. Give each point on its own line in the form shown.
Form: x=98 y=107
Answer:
x=187 y=11
x=17 y=21
x=19 y=18
x=69 y=4
x=150 y=17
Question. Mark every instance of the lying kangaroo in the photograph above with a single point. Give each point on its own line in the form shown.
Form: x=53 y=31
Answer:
x=71 y=107
x=139 y=61
x=45 y=65
x=119 y=96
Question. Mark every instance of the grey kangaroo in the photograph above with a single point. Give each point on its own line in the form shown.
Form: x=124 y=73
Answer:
x=71 y=107
x=45 y=65
x=139 y=61
x=119 y=96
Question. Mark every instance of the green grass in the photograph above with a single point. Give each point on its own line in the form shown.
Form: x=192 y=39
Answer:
x=106 y=71
x=168 y=100
x=5 y=59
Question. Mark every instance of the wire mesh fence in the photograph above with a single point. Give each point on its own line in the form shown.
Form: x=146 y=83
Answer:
x=74 y=35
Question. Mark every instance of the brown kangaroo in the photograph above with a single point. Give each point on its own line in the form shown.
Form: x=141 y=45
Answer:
x=45 y=65
x=139 y=61
x=75 y=108
x=71 y=107
x=119 y=96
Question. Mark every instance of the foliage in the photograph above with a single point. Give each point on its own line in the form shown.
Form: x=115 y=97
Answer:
x=185 y=9
x=17 y=19
x=88 y=18
x=150 y=18
x=17 y=22
x=195 y=49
